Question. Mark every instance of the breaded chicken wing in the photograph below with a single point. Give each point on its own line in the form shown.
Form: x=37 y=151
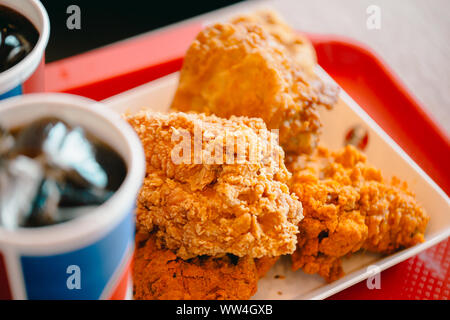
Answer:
x=241 y=207
x=347 y=207
x=256 y=67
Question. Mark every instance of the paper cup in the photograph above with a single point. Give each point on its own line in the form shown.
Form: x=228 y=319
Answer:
x=87 y=257
x=28 y=75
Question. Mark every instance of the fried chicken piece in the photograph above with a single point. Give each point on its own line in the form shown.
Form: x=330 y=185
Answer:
x=243 y=208
x=159 y=274
x=264 y=264
x=348 y=206
x=299 y=47
x=245 y=69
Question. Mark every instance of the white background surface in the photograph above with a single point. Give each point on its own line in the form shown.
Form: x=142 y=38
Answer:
x=413 y=39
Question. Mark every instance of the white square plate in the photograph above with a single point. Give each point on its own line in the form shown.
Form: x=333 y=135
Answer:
x=381 y=151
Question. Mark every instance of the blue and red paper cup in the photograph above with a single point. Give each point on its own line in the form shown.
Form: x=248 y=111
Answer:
x=88 y=257
x=28 y=75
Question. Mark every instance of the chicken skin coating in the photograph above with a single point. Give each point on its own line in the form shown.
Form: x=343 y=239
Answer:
x=264 y=264
x=347 y=207
x=298 y=46
x=198 y=208
x=241 y=69
x=158 y=274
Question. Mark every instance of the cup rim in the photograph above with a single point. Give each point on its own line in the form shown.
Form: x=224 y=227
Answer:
x=14 y=76
x=57 y=237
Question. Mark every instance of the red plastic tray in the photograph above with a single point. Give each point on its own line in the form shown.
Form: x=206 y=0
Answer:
x=105 y=72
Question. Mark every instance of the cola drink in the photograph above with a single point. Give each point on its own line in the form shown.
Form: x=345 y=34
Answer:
x=18 y=37
x=51 y=172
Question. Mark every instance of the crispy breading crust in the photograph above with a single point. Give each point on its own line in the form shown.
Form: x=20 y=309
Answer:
x=299 y=47
x=159 y=274
x=244 y=209
x=348 y=206
x=264 y=264
x=241 y=69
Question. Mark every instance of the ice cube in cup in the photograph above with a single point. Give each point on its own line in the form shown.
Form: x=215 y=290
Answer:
x=52 y=171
